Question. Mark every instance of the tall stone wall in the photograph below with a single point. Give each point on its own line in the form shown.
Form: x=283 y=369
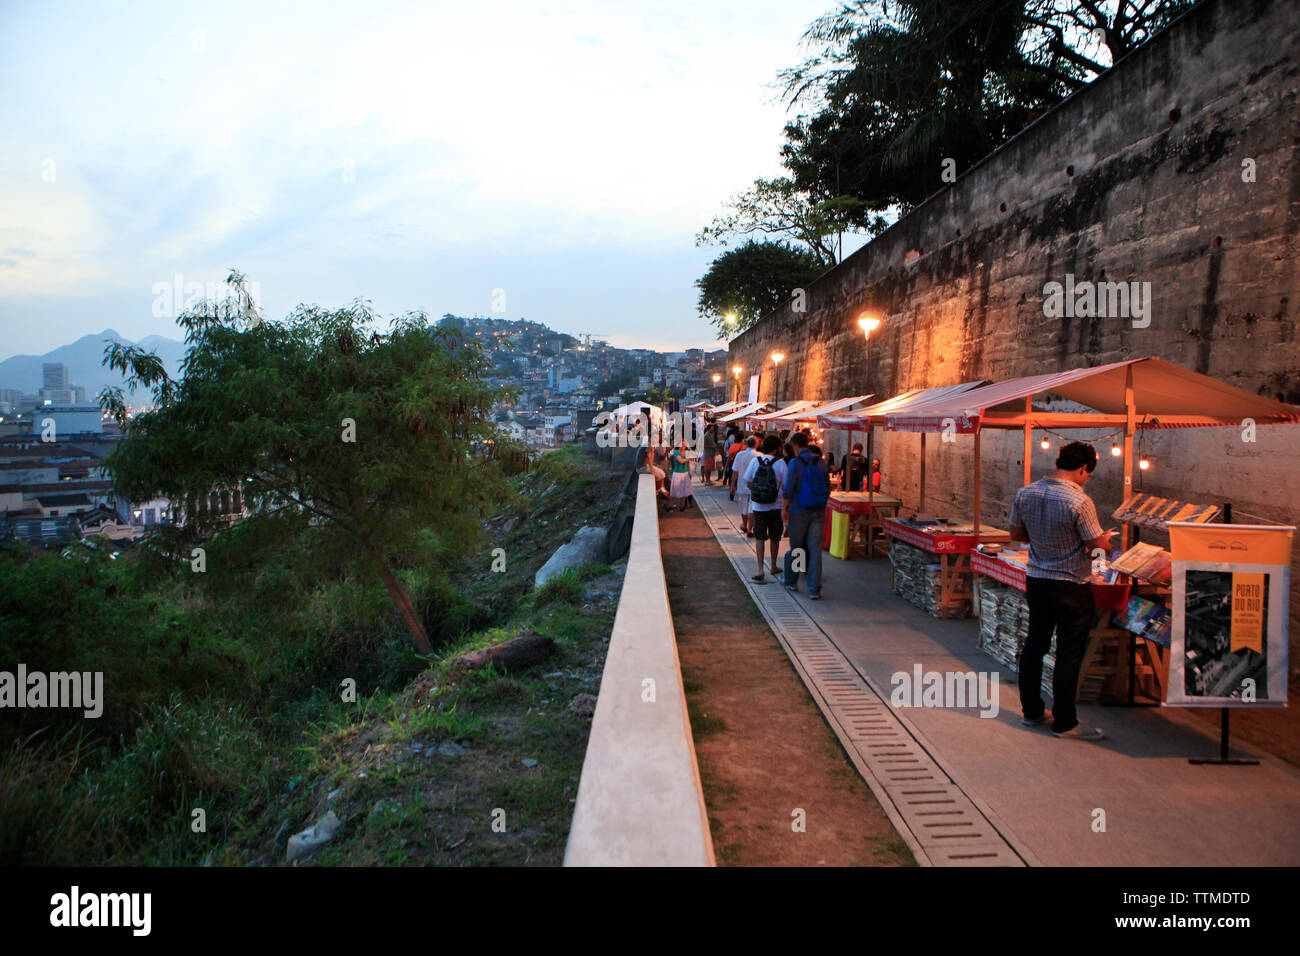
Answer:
x=1140 y=177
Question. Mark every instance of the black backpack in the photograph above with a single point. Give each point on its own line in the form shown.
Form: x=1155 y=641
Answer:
x=762 y=488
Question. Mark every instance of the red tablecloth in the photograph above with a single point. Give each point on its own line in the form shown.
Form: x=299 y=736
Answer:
x=1008 y=572
x=940 y=542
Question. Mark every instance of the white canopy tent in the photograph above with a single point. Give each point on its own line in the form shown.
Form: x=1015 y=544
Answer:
x=745 y=411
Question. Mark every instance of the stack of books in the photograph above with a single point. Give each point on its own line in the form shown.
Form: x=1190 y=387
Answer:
x=916 y=576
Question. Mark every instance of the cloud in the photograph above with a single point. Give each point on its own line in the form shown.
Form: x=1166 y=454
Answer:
x=412 y=153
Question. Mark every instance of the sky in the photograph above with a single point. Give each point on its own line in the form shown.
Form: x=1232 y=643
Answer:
x=546 y=161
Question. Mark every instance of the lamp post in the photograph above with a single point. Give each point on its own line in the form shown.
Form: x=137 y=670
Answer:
x=736 y=370
x=716 y=379
x=868 y=324
x=776 y=361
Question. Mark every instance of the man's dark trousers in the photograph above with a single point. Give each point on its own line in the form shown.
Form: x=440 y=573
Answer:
x=1066 y=608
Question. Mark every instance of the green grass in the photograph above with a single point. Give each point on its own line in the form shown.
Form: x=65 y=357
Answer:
x=226 y=690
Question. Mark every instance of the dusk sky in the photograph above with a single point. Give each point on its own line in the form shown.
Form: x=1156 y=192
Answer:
x=420 y=155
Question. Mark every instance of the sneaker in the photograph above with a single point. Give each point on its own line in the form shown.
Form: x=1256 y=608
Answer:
x=1080 y=732
x=815 y=595
x=1036 y=721
x=794 y=588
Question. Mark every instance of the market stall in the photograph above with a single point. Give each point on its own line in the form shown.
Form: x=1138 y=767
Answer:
x=855 y=513
x=869 y=521
x=1133 y=587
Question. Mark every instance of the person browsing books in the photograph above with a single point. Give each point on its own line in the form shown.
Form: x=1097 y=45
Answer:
x=1059 y=521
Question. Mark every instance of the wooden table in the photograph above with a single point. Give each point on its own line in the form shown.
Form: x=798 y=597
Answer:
x=954 y=550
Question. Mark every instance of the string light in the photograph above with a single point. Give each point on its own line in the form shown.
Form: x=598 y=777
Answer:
x=1116 y=450
x=1045 y=444
x=1144 y=464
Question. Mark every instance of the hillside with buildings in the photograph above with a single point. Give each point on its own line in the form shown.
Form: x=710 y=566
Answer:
x=54 y=439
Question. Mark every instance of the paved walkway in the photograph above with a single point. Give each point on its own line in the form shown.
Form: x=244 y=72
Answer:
x=1039 y=793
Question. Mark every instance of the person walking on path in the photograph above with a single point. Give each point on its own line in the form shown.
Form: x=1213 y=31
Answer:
x=710 y=452
x=1059 y=521
x=680 y=490
x=807 y=488
x=748 y=452
x=765 y=476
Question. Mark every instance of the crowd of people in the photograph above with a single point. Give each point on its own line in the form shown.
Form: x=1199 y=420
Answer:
x=780 y=482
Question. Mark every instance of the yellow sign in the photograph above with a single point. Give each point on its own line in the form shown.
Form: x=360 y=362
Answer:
x=1248 y=612
x=1231 y=543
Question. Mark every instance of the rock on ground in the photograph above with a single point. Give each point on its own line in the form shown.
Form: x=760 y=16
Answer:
x=586 y=547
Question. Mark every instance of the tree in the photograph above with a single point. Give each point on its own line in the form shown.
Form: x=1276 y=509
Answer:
x=777 y=207
x=905 y=93
x=371 y=437
x=752 y=280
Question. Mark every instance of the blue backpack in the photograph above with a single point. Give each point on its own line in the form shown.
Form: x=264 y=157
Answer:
x=814 y=486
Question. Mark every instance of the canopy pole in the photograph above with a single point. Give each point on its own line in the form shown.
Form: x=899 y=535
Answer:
x=871 y=478
x=977 y=485
x=920 y=507
x=1130 y=426
x=1029 y=440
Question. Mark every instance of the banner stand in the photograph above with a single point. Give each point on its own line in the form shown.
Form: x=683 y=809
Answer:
x=1223 y=757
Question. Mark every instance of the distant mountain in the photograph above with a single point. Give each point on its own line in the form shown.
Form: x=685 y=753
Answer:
x=83 y=358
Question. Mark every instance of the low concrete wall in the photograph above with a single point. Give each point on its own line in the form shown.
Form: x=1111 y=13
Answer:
x=639 y=801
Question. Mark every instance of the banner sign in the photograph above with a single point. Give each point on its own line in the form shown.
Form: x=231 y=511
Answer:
x=1231 y=602
x=753 y=389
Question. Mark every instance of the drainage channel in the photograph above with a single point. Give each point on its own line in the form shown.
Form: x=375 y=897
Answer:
x=935 y=818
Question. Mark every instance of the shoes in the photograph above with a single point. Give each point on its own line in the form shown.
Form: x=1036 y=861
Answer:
x=1042 y=718
x=758 y=579
x=815 y=595
x=1080 y=732
x=791 y=587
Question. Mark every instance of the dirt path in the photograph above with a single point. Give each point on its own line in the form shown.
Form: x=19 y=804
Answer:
x=764 y=749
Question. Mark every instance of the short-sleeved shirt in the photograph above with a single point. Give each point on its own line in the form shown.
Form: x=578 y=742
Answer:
x=778 y=467
x=743 y=458
x=681 y=461
x=1059 y=519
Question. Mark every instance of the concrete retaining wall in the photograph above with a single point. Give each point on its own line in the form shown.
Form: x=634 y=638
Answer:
x=639 y=800
x=1177 y=168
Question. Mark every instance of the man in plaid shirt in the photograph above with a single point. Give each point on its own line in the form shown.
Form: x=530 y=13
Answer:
x=1060 y=523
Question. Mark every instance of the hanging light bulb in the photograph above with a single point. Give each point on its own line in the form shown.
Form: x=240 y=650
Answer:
x=1144 y=464
x=1115 y=450
x=1045 y=444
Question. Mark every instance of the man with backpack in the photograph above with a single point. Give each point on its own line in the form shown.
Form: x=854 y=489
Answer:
x=807 y=489
x=765 y=476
